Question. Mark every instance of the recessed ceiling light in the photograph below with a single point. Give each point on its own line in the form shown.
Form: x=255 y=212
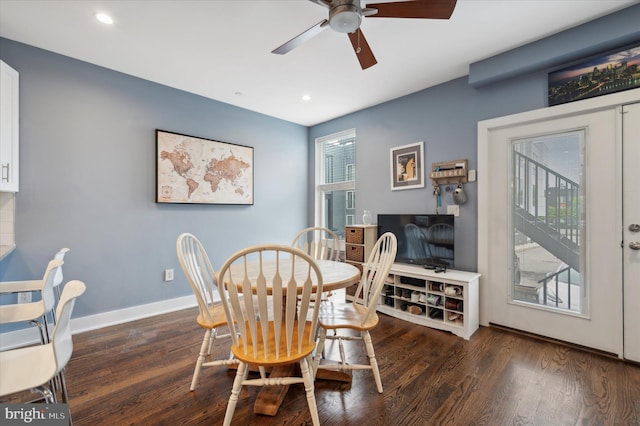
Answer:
x=104 y=18
x=306 y=98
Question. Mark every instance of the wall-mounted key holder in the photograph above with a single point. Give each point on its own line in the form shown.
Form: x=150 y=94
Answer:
x=448 y=172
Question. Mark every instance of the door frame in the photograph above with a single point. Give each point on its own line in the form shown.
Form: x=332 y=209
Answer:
x=484 y=190
x=631 y=214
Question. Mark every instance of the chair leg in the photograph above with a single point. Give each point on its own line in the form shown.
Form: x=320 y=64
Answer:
x=48 y=396
x=45 y=324
x=308 y=387
x=212 y=340
x=366 y=337
x=203 y=353
x=63 y=387
x=319 y=350
x=343 y=357
x=44 y=334
x=241 y=375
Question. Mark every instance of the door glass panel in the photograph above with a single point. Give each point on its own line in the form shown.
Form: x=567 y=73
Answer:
x=547 y=216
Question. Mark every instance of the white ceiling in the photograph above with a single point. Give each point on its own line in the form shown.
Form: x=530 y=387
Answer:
x=221 y=49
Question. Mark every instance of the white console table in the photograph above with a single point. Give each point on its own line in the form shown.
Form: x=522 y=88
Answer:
x=446 y=300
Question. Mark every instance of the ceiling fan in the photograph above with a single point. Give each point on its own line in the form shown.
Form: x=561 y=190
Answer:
x=345 y=16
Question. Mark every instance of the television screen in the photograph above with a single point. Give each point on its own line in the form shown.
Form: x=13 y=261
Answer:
x=423 y=239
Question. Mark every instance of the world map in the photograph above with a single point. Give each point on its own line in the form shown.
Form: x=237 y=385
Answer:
x=195 y=170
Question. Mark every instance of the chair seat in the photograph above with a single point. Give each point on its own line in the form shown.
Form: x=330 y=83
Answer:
x=345 y=315
x=218 y=317
x=21 y=312
x=20 y=286
x=26 y=368
x=270 y=359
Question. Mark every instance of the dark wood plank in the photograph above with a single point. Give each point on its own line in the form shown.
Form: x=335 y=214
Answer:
x=139 y=374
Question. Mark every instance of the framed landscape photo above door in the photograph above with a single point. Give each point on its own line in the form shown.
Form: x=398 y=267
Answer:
x=610 y=73
x=192 y=170
x=407 y=166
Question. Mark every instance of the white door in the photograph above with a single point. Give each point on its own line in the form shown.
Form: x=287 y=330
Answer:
x=631 y=230
x=595 y=317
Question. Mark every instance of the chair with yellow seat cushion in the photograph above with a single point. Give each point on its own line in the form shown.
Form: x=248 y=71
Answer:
x=319 y=243
x=360 y=314
x=263 y=303
x=201 y=277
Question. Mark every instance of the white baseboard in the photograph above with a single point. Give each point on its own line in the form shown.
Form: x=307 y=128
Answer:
x=30 y=335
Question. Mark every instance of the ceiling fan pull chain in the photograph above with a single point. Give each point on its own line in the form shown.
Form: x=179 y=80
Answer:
x=358 y=34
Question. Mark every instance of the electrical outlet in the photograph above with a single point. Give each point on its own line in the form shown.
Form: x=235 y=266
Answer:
x=168 y=274
x=453 y=209
x=24 y=297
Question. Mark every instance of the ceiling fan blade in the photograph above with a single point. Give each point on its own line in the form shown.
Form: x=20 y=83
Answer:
x=362 y=49
x=426 y=9
x=324 y=3
x=301 y=38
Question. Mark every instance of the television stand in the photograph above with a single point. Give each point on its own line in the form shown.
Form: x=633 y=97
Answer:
x=446 y=300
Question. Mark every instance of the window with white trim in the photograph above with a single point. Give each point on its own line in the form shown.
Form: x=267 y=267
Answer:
x=335 y=180
x=351 y=200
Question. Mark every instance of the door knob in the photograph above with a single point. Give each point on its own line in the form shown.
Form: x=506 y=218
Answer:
x=634 y=245
x=634 y=227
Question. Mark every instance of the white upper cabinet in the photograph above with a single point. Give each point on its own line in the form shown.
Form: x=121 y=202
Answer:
x=9 y=121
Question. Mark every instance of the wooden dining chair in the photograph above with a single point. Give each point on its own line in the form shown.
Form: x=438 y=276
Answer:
x=360 y=314
x=262 y=302
x=201 y=277
x=319 y=243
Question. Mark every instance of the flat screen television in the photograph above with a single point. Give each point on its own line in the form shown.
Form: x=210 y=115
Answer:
x=423 y=239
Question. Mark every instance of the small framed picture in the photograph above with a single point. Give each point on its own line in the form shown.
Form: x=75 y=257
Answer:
x=407 y=166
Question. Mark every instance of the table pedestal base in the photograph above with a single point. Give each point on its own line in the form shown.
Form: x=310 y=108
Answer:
x=270 y=398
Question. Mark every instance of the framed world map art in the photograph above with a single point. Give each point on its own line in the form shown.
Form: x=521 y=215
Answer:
x=192 y=170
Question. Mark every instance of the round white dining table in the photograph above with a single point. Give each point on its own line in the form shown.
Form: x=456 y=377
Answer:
x=335 y=275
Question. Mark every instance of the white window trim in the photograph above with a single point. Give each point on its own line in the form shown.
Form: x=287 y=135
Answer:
x=320 y=170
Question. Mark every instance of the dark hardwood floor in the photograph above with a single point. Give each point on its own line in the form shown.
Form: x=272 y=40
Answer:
x=139 y=373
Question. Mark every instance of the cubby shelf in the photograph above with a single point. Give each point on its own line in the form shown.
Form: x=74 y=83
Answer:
x=446 y=300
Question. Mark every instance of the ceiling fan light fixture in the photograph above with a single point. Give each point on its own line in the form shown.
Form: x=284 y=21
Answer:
x=345 y=18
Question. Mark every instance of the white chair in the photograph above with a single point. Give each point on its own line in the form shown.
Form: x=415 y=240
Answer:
x=33 y=312
x=200 y=275
x=262 y=301
x=57 y=279
x=33 y=367
x=319 y=243
x=360 y=314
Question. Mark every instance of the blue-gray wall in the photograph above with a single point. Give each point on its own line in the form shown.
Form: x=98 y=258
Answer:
x=445 y=117
x=87 y=163
x=87 y=180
